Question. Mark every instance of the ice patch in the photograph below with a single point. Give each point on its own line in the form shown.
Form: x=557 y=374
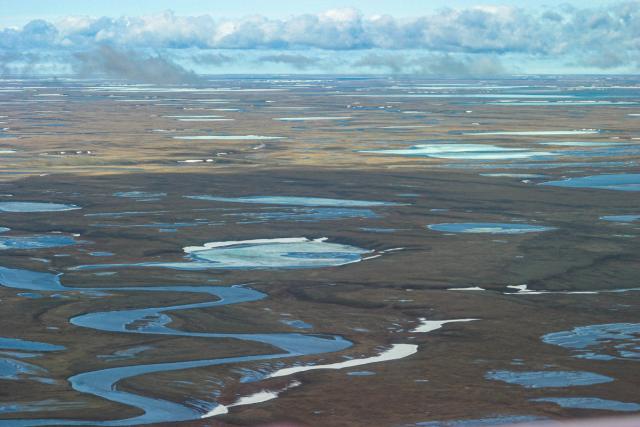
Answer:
x=432 y=325
x=259 y=397
x=397 y=351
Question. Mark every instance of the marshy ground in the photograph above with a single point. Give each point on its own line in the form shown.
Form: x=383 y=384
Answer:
x=117 y=152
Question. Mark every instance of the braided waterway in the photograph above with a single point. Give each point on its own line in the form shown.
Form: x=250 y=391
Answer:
x=156 y=321
x=153 y=320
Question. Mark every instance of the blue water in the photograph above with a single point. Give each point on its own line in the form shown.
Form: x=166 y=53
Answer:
x=514 y=175
x=270 y=254
x=19 y=344
x=101 y=253
x=139 y=194
x=542 y=379
x=128 y=353
x=11 y=369
x=540 y=165
x=304 y=214
x=618 y=182
x=298 y=324
x=563 y=103
x=488 y=227
x=378 y=229
x=158 y=225
x=155 y=321
x=295 y=201
x=482 y=422
x=124 y=214
x=607 y=341
x=463 y=151
x=35 y=242
x=585 y=143
x=18 y=355
x=35 y=207
x=40 y=405
x=591 y=403
x=624 y=150
x=32 y=295
x=620 y=218
x=360 y=373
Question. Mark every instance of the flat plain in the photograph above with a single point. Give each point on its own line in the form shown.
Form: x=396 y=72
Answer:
x=323 y=251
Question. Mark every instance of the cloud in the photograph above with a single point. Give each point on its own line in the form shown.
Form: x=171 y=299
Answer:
x=466 y=66
x=214 y=59
x=107 y=62
x=393 y=63
x=446 y=65
x=591 y=36
x=29 y=63
x=296 y=61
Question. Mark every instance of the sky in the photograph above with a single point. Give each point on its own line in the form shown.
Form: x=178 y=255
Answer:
x=19 y=12
x=181 y=39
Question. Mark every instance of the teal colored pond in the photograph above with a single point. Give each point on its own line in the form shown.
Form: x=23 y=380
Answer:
x=618 y=182
x=591 y=403
x=463 y=151
x=607 y=341
x=36 y=207
x=303 y=214
x=482 y=422
x=139 y=194
x=259 y=254
x=295 y=201
x=489 y=228
x=25 y=345
x=35 y=242
x=542 y=379
x=620 y=218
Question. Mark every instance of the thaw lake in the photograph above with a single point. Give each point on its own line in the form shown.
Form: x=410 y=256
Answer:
x=285 y=253
x=195 y=286
x=620 y=218
x=295 y=201
x=543 y=379
x=302 y=214
x=489 y=228
x=229 y=137
x=600 y=342
x=36 y=207
x=464 y=151
x=617 y=182
x=591 y=403
x=536 y=132
x=35 y=242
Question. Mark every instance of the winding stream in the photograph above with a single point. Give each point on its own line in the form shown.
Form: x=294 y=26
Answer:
x=153 y=320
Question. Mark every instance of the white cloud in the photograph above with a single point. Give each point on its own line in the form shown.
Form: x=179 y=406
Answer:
x=600 y=38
